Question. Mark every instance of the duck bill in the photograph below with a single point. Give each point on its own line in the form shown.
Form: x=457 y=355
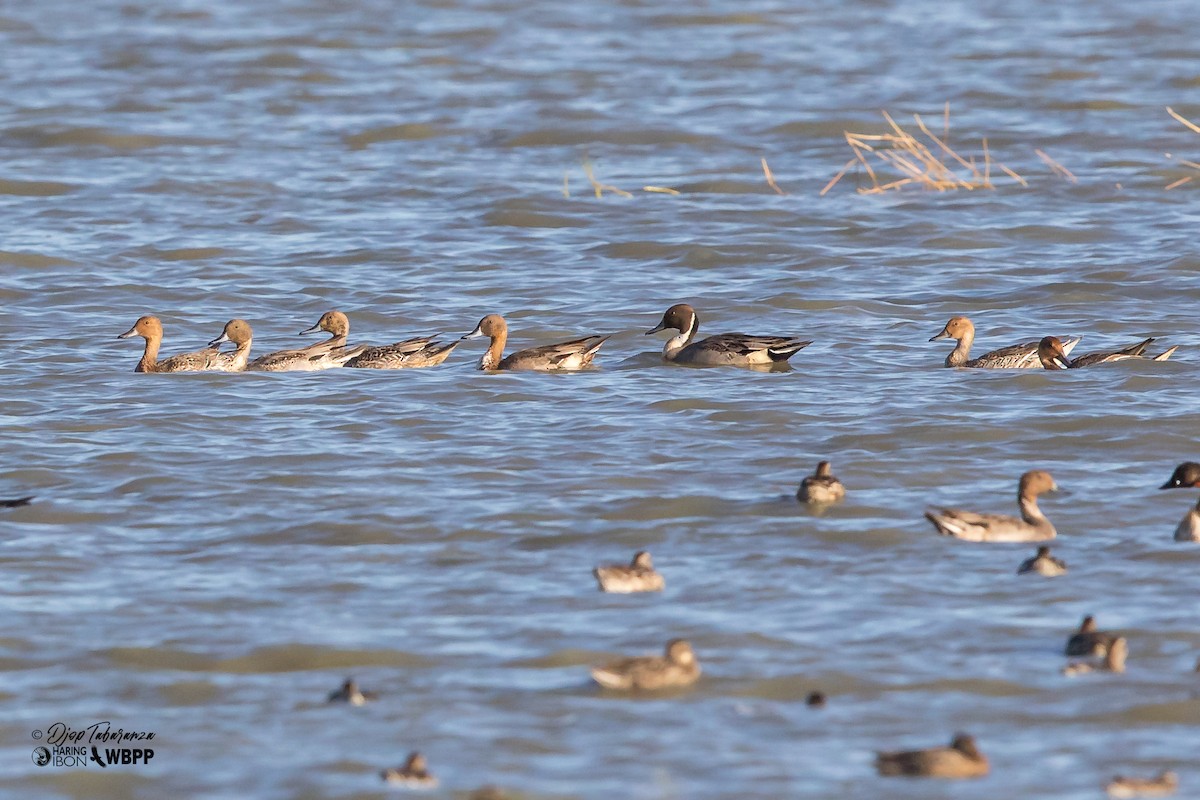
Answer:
x=1174 y=483
x=475 y=334
x=945 y=334
x=662 y=326
x=128 y=333
x=224 y=337
x=313 y=329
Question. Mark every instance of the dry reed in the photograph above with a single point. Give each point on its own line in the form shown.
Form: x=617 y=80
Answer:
x=1192 y=164
x=771 y=178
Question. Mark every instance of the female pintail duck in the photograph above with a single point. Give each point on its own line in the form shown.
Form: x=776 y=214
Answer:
x=1043 y=564
x=1114 y=660
x=638 y=575
x=1087 y=641
x=1032 y=526
x=150 y=329
x=17 y=502
x=821 y=488
x=1017 y=356
x=1053 y=355
x=333 y=352
x=414 y=774
x=724 y=349
x=351 y=693
x=423 y=351
x=1162 y=785
x=573 y=355
x=676 y=667
x=1186 y=475
x=961 y=759
x=237 y=331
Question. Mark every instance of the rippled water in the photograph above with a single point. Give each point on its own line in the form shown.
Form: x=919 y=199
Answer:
x=209 y=555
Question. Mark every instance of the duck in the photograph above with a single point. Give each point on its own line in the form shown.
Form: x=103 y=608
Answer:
x=1017 y=356
x=1189 y=526
x=815 y=700
x=1186 y=475
x=237 y=331
x=351 y=693
x=637 y=576
x=16 y=502
x=1043 y=563
x=423 y=351
x=414 y=774
x=150 y=329
x=1053 y=355
x=1087 y=641
x=961 y=759
x=1114 y=660
x=677 y=667
x=724 y=349
x=1031 y=526
x=333 y=352
x=573 y=355
x=1161 y=785
x=821 y=488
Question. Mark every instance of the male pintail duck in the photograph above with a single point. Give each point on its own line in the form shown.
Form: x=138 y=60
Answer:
x=423 y=351
x=1114 y=660
x=1053 y=355
x=1032 y=526
x=1162 y=785
x=16 y=503
x=724 y=349
x=961 y=759
x=821 y=488
x=413 y=775
x=677 y=667
x=351 y=693
x=237 y=331
x=1087 y=641
x=1017 y=356
x=1186 y=476
x=573 y=355
x=150 y=329
x=333 y=352
x=1043 y=563
x=637 y=576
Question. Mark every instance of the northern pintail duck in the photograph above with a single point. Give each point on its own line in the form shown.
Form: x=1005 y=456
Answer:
x=572 y=355
x=961 y=759
x=1087 y=641
x=423 y=351
x=638 y=575
x=821 y=488
x=351 y=693
x=239 y=333
x=414 y=774
x=1053 y=355
x=1162 y=785
x=676 y=667
x=1031 y=526
x=1043 y=563
x=333 y=352
x=1017 y=356
x=1114 y=660
x=17 y=502
x=150 y=329
x=724 y=349
x=1186 y=476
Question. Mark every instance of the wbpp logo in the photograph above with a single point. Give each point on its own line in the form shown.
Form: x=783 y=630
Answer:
x=69 y=747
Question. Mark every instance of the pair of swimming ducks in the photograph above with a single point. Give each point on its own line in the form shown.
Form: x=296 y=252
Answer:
x=1050 y=352
x=726 y=349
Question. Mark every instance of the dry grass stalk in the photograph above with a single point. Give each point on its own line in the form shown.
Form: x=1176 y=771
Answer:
x=1193 y=126
x=918 y=163
x=771 y=178
x=1056 y=167
x=660 y=190
x=598 y=187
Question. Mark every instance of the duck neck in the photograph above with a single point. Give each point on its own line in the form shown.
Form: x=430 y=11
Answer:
x=241 y=356
x=682 y=340
x=1030 y=511
x=961 y=353
x=149 y=362
x=495 y=352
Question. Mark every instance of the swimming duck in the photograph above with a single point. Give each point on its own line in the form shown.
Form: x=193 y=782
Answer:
x=150 y=329
x=1162 y=785
x=815 y=700
x=961 y=759
x=1053 y=355
x=573 y=355
x=1087 y=641
x=1043 y=563
x=413 y=775
x=638 y=576
x=1185 y=476
x=724 y=349
x=821 y=488
x=422 y=351
x=351 y=693
x=1114 y=660
x=1017 y=356
x=333 y=352
x=1032 y=526
x=1189 y=526
x=17 y=503
x=676 y=667
x=237 y=331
